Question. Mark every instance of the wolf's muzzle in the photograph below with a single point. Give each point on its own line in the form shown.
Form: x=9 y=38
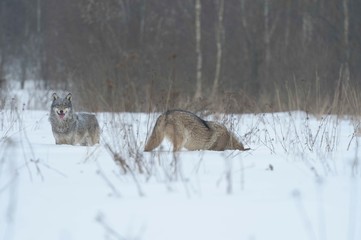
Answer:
x=61 y=113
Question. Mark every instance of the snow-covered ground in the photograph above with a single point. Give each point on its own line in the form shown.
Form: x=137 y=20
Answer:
x=301 y=180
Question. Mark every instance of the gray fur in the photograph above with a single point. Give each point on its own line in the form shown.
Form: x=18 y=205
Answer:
x=72 y=128
x=186 y=130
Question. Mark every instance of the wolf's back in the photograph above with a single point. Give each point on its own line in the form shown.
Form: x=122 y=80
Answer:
x=186 y=119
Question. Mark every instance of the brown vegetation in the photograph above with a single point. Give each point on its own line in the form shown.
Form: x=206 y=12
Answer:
x=232 y=56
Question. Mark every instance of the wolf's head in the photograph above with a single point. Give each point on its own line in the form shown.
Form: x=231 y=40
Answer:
x=61 y=107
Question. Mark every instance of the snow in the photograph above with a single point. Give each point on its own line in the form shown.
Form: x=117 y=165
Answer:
x=301 y=180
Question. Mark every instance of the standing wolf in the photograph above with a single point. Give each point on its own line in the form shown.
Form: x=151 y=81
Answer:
x=72 y=128
x=185 y=129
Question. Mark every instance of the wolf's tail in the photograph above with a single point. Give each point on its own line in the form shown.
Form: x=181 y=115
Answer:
x=157 y=134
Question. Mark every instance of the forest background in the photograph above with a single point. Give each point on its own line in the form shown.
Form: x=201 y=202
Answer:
x=151 y=55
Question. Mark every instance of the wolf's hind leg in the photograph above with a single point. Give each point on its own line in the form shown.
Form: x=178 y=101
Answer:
x=178 y=143
x=177 y=138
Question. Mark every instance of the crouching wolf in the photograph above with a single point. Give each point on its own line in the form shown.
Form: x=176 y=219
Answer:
x=185 y=129
x=70 y=127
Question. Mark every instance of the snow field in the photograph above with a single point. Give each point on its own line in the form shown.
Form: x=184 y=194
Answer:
x=301 y=180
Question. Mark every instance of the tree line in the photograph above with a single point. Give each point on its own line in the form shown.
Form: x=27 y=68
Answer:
x=136 y=54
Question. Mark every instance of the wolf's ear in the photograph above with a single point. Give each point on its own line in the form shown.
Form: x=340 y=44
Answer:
x=54 y=96
x=68 y=97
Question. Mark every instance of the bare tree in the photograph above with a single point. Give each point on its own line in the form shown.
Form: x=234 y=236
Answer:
x=287 y=25
x=219 y=45
x=346 y=41
x=114 y=46
x=267 y=35
x=198 y=10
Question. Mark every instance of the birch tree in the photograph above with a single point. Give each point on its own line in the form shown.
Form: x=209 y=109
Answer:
x=198 y=9
x=268 y=32
x=346 y=40
x=219 y=45
x=267 y=35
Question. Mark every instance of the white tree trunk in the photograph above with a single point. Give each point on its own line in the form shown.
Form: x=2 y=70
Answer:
x=219 y=44
x=198 y=8
x=243 y=12
x=346 y=41
x=288 y=16
x=38 y=16
x=307 y=28
x=268 y=32
x=267 y=35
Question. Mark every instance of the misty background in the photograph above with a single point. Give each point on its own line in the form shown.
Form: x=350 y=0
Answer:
x=221 y=55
